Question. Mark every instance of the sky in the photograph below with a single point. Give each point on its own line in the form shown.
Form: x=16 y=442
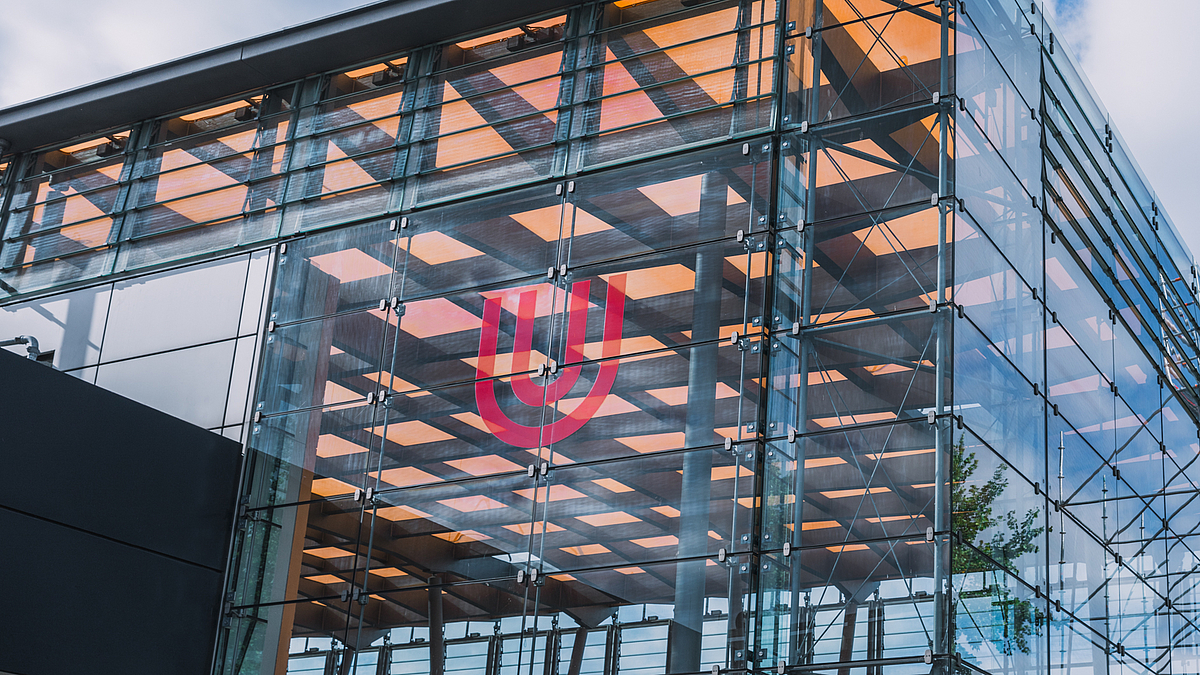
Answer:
x=1141 y=64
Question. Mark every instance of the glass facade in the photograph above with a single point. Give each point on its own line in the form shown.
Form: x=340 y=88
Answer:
x=658 y=336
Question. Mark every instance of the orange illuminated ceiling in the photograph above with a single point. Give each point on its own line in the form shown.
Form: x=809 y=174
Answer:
x=328 y=552
x=557 y=493
x=544 y=222
x=890 y=41
x=858 y=418
x=656 y=542
x=484 y=466
x=525 y=529
x=653 y=442
x=682 y=196
x=399 y=513
x=472 y=503
x=435 y=248
x=907 y=233
x=833 y=163
x=612 y=485
x=330 y=445
x=819 y=525
x=586 y=549
x=413 y=432
x=817 y=462
x=406 y=476
x=855 y=492
x=327 y=579
x=350 y=265
x=674 y=396
x=325 y=487
x=505 y=34
x=429 y=318
x=651 y=282
x=397 y=64
x=72 y=149
x=220 y=110
x=612 y=405
x=606 y=519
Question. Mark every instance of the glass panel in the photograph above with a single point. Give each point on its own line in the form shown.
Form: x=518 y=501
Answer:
x=871 y=57
x=70 y=324
x=997 y=403
x=996 y=300
x=871 y=371
x=146 y=314
x=685 y=616
x=873 y=264
x=651 y=80
x=864 y=588
x=664 y=400
x=324 y=361
x=191 y=384
x=491 y=117
x=481 y=242
x=671 y=299
x=475 y=335
x=28 y=278
x=670 y=203
x=468 y=529
x=1001 y=521
x=1000 y=622
x=316 y=454
x=312 y=551
x=672 y=505
x=886 y=161
x=865 y=484
x=997 y=201
x=334 y=272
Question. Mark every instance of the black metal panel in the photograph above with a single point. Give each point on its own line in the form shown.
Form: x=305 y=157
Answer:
x=115 y=521
x=79 y=603
x=80 y=455
x=290 y=54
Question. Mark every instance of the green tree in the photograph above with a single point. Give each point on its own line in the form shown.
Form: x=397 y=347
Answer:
x=973 y=513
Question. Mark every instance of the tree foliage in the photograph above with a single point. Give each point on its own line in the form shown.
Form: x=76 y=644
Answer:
x=1012 y=536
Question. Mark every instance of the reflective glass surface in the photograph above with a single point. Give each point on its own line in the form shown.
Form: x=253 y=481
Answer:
x=658 y=336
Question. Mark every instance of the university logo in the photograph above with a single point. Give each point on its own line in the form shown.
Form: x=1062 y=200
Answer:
x=529 y=392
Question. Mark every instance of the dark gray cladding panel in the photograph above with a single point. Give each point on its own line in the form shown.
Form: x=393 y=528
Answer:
x=89 y=459
x=341 y=40
x=78 y=603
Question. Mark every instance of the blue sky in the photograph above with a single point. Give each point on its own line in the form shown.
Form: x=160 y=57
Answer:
x=1140 y=57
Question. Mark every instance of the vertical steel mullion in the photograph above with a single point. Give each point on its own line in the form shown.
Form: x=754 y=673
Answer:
x=741 y=66
x=573 y=36
x=402 y=144
x=942 y=604
x=304 y=93
x=807 y=237
x=139 y=140
x=18 y=166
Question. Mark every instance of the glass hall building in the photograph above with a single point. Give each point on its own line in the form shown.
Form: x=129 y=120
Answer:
x=645 y=336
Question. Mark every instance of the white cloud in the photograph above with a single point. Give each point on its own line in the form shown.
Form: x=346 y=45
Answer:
x=1140 y=59
x=1141 y=63
x=48 y=47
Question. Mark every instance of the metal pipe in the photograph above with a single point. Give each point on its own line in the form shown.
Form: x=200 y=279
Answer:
x=28 y=340
x=437 y=641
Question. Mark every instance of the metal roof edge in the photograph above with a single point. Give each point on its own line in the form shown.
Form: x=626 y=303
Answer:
x=288 y=54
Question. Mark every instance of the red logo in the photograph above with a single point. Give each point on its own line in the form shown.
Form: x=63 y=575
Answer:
x=533 y=394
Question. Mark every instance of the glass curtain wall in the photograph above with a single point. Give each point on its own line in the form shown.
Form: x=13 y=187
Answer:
x=682 y=336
